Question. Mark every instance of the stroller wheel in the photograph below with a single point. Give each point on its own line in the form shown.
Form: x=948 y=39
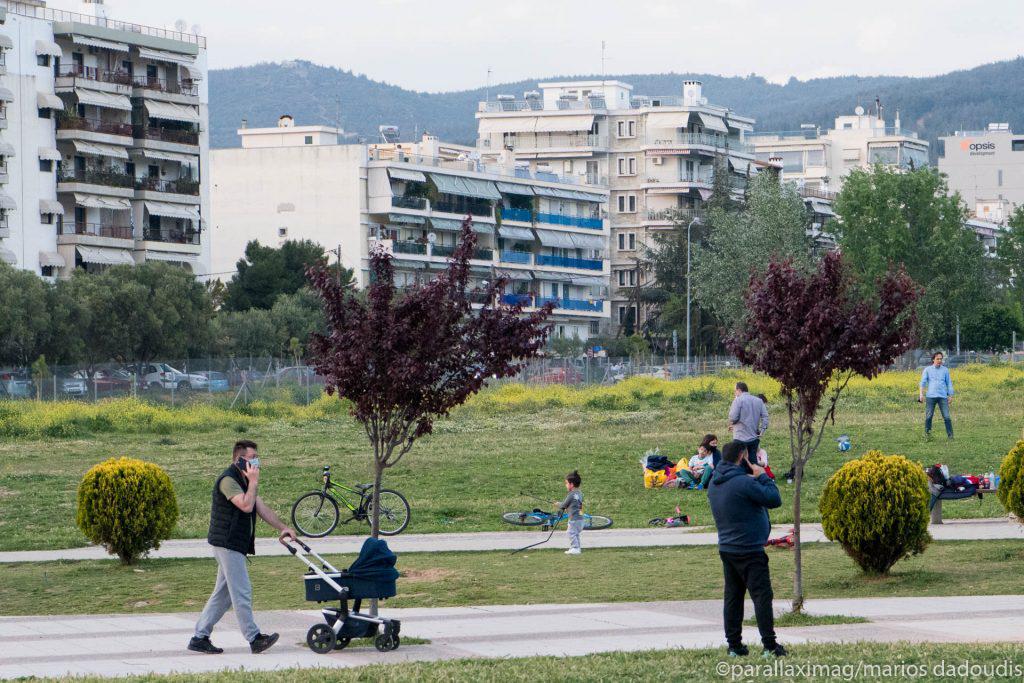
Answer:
x=321 y=639
x=342 y=642
x=385 y=643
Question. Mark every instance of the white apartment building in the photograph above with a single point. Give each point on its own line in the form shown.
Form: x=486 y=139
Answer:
x=103 y=139
x=985 y=166
x=656 y=153
x=542 y=231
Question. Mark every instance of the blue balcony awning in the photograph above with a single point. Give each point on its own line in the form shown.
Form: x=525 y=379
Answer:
x=515 y=188
x=465 y=187
x=402 y=218
x=510 y=232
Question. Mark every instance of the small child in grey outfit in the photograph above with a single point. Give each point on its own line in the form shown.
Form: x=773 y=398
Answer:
x=573 y=505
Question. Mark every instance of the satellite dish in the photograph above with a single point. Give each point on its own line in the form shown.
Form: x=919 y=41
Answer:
x=859 y=111
x=180 y=25
x=431 y=237
x=196 y=29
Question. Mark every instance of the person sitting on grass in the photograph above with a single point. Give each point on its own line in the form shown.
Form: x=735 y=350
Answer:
x=573 y=506
x=710 y=442
x=700 y=469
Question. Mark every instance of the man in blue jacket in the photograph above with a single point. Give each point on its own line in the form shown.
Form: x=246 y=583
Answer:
x=740 y=496
x=936 y=389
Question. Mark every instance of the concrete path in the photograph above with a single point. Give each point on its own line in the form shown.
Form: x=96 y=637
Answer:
x=975 y=529
x=126 y=645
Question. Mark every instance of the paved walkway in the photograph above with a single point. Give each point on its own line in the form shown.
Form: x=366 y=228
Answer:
x=508 y=540
x=130 y=644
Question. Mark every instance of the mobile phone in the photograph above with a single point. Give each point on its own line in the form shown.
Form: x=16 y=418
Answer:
x=745 y=464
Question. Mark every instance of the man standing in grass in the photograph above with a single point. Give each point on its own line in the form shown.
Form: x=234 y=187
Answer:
x=748 y=419
x=233 y=536
x=936 y=389
x=740 y=503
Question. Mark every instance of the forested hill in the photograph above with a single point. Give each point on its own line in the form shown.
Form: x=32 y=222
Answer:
x=315 y=94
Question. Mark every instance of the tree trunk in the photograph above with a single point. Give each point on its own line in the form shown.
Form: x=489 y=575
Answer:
x=378 y=472
x=798 y=574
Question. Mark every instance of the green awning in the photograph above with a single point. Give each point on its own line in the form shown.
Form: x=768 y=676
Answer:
x=403 y=218
x=515 y=188
x=575 y=195
x=552 y=238
x=465 y=187
x=510 y=232
x=588 y=241
x=456 y=226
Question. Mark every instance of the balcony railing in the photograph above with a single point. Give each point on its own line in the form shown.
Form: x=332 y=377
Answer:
x=65 y=122
x=171 y=235
x=409 y=248
x=517 y=299
x=92 y=73
x=477 y=166
x=182 y=137
x=95 y=176
x=682 y=215
x=521 y=257
x=511 y=214
x=176 y=87
x=818 y=193
x=121 y=232
x=179 y=186
x=590 y=222
x=695 y=177
x=569 y=262
x=555 y=140
x=39 y=11
x=595 y=306
x=461 y=206
x=419 y=203
x=684 y=138
x=448 y=250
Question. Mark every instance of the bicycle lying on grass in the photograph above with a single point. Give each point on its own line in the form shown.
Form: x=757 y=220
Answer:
x=317 y=513
x=548 y=521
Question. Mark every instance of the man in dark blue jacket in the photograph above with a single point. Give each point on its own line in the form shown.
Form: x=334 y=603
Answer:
x=740 y=496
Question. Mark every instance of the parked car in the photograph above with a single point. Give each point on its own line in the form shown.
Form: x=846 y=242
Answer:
x=217 y=381
x=16 y=384
x=560 y=375
x=111 y=381
x=163 y=376
x=74 y=385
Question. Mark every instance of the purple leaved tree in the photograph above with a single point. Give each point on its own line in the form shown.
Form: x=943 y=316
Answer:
x=405 y=358
x=812 y=333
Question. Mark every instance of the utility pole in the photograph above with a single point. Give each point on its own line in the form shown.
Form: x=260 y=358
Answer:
x=696 y=219
x=337 y=252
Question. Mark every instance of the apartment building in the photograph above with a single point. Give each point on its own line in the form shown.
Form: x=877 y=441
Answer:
x=540 y=230
x=984 y=166
x=818 y=161
x=103 y=138
x=656 y=153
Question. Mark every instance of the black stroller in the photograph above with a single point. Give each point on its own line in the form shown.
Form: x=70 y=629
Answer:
x=372 y=575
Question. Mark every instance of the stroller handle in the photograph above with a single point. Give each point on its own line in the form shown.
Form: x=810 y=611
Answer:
x=292 y=548
x=302 y=555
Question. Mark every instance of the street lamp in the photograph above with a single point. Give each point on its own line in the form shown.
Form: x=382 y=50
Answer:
x=696 y=220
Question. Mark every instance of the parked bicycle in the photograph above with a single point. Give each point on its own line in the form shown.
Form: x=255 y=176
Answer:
x=318 y=513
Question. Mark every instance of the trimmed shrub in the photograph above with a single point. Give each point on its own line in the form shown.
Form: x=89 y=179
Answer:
x=1011 y=482
x=876 y=508
x=128 y=506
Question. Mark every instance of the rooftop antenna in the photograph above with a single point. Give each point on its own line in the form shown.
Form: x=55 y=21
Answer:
x=602 y=61
x=337 y=122
x=487 y=93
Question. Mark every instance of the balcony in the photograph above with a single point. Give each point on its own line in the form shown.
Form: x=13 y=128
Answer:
x=172 y=235
x=174 y=87
x=179 y=186
x=416 y=203
x=687 y=139
x=517 y=299
x=121 y=232
x=569 y=262
x=448 y=251
x=510 y=214
x=526 y=141
x=463 y=205
x=523 y=258
x=696 y=177
x=590 y=222
x=409 y=248
x=95 y=176
x=92 y=73
x=674 y=215
x=65 y=122
x=583 y=305
x=176 y=135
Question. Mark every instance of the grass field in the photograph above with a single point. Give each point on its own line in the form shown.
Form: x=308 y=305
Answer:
x=507 y=441
x=490 y=578
x=827 y=662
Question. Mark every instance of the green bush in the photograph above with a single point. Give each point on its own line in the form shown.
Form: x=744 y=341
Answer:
x=876 y=508
x=128 y=506
x=1011 y=482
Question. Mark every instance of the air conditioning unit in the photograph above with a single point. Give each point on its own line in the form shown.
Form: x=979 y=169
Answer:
x=657 y=161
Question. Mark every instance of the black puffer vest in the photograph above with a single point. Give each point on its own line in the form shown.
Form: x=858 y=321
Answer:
x=230 y=527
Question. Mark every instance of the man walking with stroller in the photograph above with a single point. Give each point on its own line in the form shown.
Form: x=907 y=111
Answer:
x=232 y=534
x=740 y=496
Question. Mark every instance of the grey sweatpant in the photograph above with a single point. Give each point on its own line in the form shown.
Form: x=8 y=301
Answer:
x=575 y=527
x=231 y=590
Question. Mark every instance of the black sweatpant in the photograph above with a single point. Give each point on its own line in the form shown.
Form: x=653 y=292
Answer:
x=748 y=572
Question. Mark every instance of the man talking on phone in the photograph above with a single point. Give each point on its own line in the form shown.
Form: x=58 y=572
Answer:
x=236 y=504
x=740 y=495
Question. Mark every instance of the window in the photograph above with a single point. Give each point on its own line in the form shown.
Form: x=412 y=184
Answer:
x=151 y=71
x=883 y=155
x=999 y=177
x=44 y=113
x=622 y=166
x=632 y=165
x=567 y=167
x=792 y=161
x=46 y=218
x=815 y=157
x=282 y=232
x=154 y=222
x=632 y=278
x=622 y=273
x=631 y=127
x=595 y=327
x=622 y=315
x=620 y=130
x=46 y=165
x=1017 y=145
x=626 y=203
x=627 y=166
x=43 y=60
x=46 y=271
x=631 y=203
x=627 y=241
x=626 y=129
x=309 y=139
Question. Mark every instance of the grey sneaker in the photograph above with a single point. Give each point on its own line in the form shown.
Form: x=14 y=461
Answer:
x=263 y=642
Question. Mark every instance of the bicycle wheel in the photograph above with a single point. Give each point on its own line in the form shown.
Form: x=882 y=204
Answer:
x=394 y=512
x=596 y=522
x=524 y=518
x=315 y=514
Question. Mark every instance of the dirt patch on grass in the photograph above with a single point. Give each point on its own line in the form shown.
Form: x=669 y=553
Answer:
x=7 y=493
x=427 y=575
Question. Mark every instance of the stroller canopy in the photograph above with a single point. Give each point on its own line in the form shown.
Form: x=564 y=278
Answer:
x=376 y=562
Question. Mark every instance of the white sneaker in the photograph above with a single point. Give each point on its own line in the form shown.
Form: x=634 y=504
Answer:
x=573 y=551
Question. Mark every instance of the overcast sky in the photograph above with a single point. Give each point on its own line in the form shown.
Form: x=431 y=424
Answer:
x=449 y=44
